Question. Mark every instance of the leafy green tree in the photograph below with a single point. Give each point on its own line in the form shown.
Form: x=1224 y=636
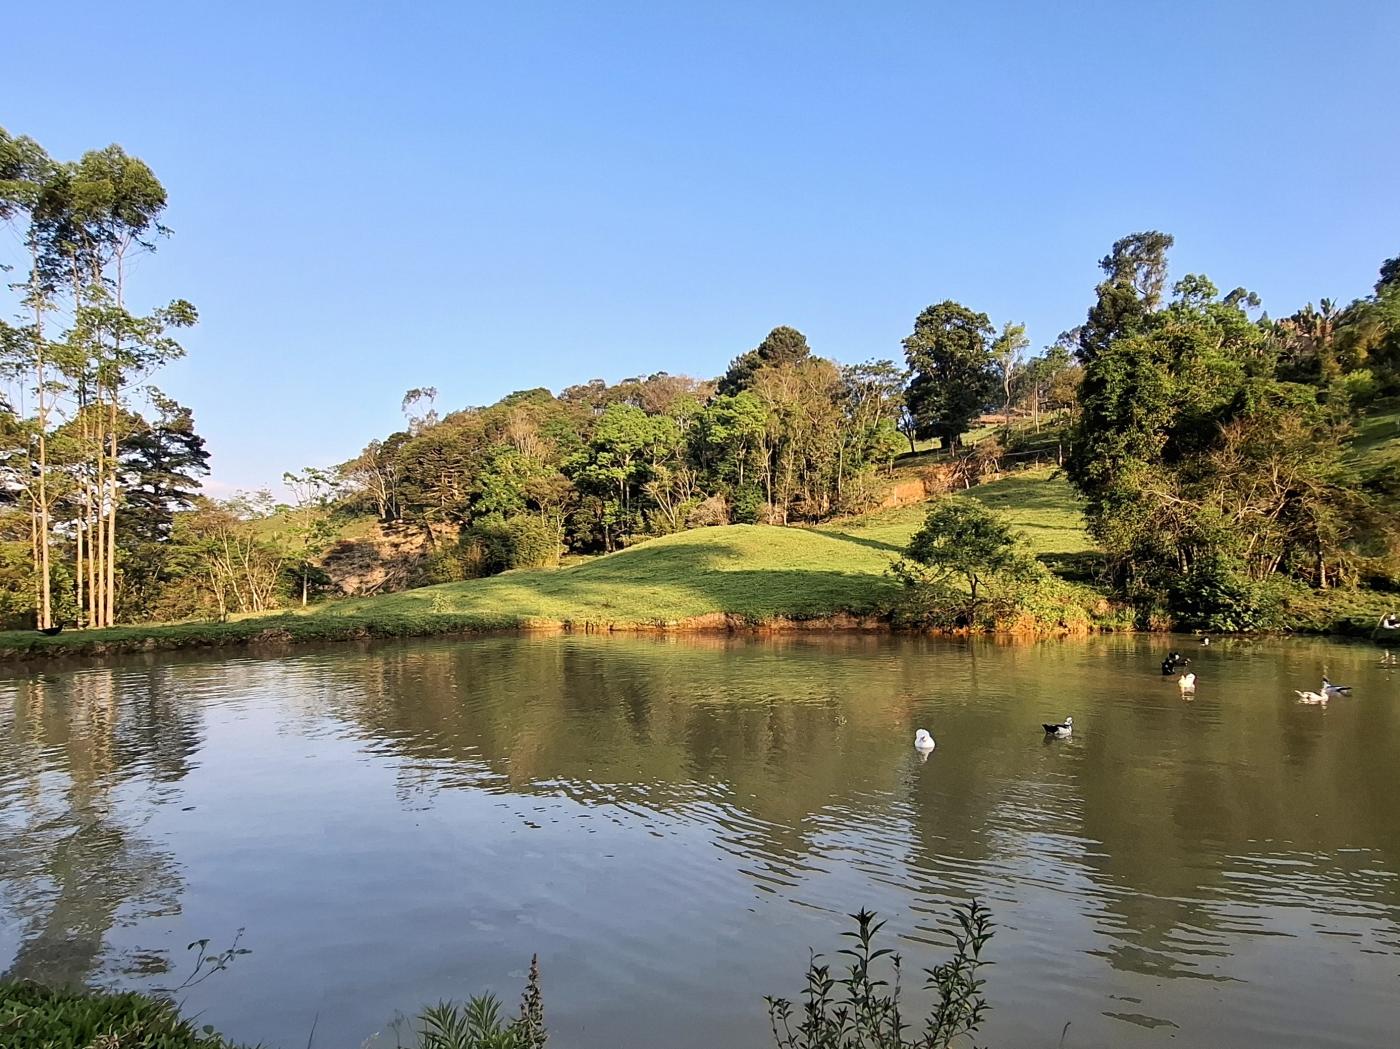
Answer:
x=726 y=437
x=613 y=467
x=1050 y=380
x=1368 y=336
x=1205 y=471
x=962 y=567
x=1006 y=352
x=161 y=464
x=1135 y=273
x=953 y=374
x=782 y=345
x=86 y=358
x=961 y=537
x=311 y=516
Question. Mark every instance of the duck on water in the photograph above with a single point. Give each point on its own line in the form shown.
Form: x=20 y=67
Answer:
x=1173 y=663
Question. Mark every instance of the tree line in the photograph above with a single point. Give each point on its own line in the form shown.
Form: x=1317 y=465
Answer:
x=1211 y=442
x=1207 y=439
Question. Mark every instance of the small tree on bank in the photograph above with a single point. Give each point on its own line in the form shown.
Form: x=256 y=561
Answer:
x=962 y=567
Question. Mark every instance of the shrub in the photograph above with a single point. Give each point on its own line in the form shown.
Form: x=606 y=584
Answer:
x=862 y=1009
x=33 y=1017
x=495 y=544
x=478 y=1024
x=1217 y=594
x=747 y=506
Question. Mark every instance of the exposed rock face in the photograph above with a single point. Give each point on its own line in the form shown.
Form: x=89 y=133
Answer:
x=915 y=486
x=389 y=559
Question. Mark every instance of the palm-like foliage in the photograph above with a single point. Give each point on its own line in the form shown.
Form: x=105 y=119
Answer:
x=479 y=1024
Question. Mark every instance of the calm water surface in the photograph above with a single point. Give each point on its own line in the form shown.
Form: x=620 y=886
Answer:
x=671 y=823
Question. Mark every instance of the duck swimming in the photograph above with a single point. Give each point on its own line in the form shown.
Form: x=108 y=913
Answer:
x=1187 y=683
x=1334 y=691
x=1060 y=731
x=1311 y=697
x=1172 y=663
x=923 y=741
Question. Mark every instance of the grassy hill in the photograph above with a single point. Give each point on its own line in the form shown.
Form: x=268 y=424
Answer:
x=751 y=572
x=707 y=576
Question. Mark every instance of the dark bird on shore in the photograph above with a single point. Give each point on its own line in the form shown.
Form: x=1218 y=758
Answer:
x=52 y=631
x=1060 y=731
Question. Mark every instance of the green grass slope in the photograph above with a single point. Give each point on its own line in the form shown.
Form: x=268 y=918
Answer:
x=1376 y=449
x=1039 y=503
x=752 y=572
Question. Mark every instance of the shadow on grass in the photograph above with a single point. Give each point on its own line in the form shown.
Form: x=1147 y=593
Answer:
x=1084 y=567
x=874 y=544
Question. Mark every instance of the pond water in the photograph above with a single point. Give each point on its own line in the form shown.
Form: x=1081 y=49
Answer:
x=671 y=823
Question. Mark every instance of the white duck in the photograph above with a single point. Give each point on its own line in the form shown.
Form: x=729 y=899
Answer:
x=1187 y=683
x=1311 y=697
x=923 y=741
x=1335 y=690
x=1060 y=731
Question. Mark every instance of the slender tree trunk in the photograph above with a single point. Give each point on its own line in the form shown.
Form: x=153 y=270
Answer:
x=110 y=609
x=45 y=609
x=98 y=546
x=78 y=566
x=34 y=558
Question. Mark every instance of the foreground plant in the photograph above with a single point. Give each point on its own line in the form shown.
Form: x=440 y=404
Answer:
x=33 y=1017
x=862 y=1010
x=478 y=1024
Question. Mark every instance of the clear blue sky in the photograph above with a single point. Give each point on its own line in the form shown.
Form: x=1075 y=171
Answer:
x=487 y=197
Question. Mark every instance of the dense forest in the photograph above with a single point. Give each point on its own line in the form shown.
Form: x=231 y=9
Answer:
x=1207 y=439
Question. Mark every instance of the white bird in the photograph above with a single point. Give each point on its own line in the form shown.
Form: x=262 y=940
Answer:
x=923 y=741
x=1060 y=731
x=1187 y=683
x=1390 y=621
x=1311 y=697
x=1334 y=691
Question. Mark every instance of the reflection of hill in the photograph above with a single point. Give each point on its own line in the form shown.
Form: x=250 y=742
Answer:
x=769 y=732
x=793 y=749
x=71 y=864
x=1163 y=837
